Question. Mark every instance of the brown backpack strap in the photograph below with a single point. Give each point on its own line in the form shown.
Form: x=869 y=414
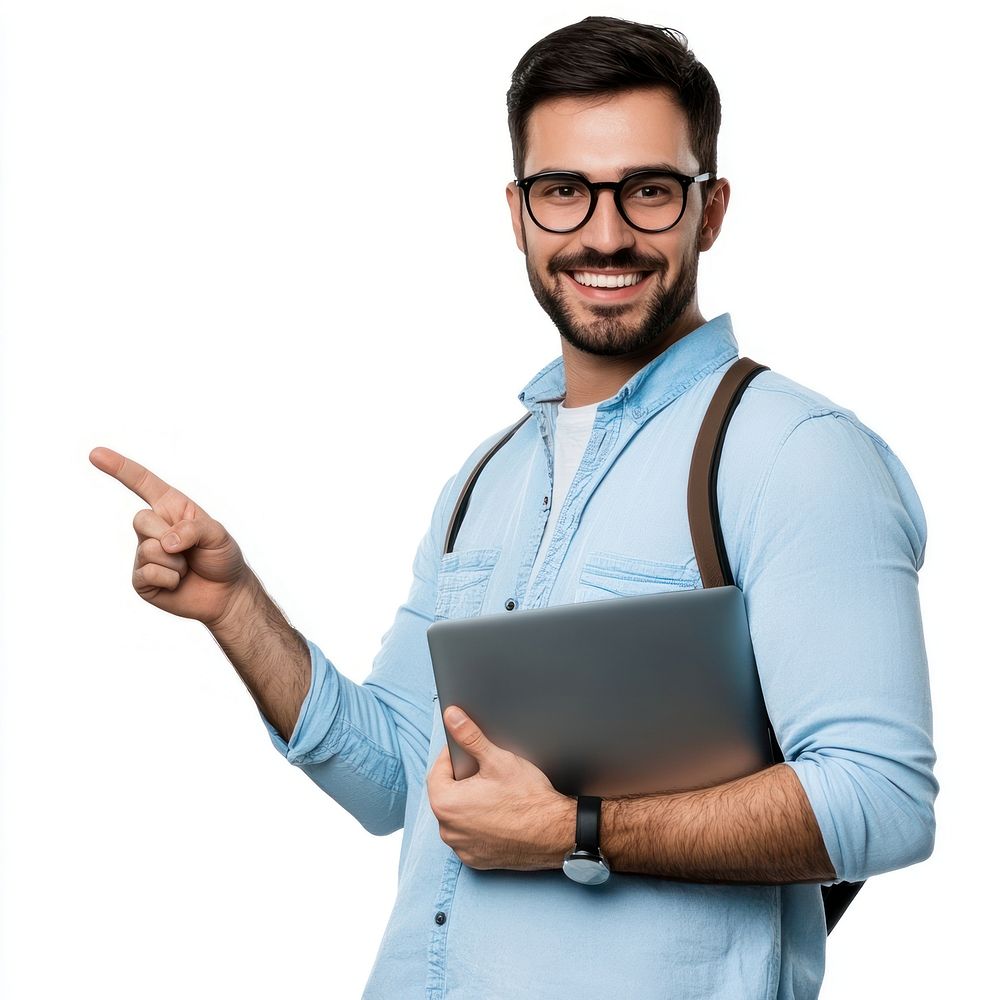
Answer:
x=703 y=501
x=458 y=514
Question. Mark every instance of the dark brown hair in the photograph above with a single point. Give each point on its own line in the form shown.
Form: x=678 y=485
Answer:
x=602 y=55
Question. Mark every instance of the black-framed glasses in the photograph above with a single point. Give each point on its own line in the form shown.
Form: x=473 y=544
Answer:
x=651 y=201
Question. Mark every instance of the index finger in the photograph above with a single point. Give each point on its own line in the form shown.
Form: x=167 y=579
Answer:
x=136 y=477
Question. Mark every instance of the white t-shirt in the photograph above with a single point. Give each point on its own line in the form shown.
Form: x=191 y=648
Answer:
x=573 y=429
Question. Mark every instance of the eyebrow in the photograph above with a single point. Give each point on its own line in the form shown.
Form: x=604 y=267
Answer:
x=623 y=171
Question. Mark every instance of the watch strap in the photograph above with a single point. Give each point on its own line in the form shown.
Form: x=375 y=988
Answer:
x=588 y=823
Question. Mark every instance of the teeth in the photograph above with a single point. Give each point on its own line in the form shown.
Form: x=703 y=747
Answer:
x=593 y=280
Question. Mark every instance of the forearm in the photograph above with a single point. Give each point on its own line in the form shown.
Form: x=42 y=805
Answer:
x=758 y=829
x=270 y=656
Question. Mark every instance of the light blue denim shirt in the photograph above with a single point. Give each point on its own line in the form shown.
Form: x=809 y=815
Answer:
x=825 y=534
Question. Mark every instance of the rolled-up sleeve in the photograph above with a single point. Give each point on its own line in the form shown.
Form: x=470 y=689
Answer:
x=365 y=744
x=836 y=538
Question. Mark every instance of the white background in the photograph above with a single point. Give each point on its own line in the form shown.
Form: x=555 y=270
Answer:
x=226 y=254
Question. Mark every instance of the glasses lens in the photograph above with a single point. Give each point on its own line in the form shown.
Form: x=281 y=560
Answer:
x=559 y=202
x=653 y=201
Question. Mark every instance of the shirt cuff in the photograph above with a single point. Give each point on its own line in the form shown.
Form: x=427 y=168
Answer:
x=319 y=708
x=868 y=822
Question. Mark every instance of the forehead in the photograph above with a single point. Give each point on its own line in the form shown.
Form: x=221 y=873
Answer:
x=599 y=134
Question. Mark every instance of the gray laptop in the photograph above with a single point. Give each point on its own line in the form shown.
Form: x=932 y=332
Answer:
x=630 y=695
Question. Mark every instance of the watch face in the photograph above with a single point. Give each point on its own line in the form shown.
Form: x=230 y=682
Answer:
x=586 y=868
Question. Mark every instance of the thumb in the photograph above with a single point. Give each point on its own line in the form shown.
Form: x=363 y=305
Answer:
x=469 y=736
x=189 y=532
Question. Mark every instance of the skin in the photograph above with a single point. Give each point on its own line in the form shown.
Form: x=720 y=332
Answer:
x=758 y=829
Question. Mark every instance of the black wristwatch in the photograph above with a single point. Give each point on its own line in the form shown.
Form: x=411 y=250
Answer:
x=585 y=863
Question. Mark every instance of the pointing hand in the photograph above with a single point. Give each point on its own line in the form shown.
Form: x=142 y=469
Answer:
x=186 y=562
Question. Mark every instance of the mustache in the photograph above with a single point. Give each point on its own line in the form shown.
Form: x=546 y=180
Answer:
x=623 y=260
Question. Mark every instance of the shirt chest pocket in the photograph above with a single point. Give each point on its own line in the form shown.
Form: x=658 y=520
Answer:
x=462 y=581
x=608 y=574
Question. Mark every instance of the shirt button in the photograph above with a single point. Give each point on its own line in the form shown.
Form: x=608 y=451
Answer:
x=511 y=604
x=545 y=501
x=440 y=917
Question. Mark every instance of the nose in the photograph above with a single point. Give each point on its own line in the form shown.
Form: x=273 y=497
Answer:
x=606 y=231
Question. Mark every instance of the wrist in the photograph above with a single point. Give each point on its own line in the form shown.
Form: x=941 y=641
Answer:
x=564 y=828
x=245 y=603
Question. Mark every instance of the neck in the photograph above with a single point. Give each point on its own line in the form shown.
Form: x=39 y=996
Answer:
x=591 y=378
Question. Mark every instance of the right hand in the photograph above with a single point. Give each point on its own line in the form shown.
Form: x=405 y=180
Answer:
x=201 y=574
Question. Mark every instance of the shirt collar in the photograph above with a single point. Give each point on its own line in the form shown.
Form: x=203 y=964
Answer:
x=692 y=357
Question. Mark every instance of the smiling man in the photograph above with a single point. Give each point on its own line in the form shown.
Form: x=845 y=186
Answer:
x=613 y=262
x=712 y=893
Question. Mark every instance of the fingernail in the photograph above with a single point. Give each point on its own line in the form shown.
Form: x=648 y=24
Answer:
x=456 y=716
x=172 y=540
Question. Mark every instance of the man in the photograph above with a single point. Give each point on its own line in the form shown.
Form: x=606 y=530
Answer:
x=714 y=893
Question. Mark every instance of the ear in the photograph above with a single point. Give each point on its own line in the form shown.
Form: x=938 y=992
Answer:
x=714 y=212
x=516 y=219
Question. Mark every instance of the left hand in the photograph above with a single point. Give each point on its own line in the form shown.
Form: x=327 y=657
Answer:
x=507 y=815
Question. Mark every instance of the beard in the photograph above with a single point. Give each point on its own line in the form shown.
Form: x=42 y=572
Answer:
x=610 y=334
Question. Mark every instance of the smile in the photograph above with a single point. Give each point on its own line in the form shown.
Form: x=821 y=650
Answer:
x=599 y=279
x=604 y=286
